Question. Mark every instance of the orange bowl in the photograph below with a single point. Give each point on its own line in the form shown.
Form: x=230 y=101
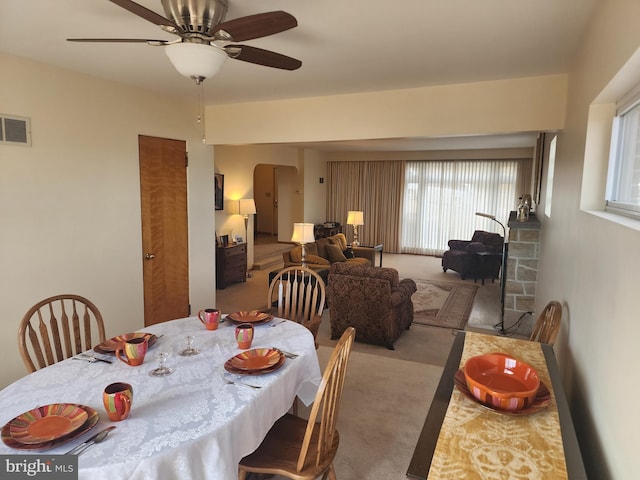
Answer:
x=501 y=381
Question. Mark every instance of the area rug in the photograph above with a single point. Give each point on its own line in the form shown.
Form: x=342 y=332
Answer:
x=441 y=304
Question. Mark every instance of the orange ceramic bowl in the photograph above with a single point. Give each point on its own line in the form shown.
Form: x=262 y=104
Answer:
x=501 y=381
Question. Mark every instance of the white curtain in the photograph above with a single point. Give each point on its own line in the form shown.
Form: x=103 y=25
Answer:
x=441 y=198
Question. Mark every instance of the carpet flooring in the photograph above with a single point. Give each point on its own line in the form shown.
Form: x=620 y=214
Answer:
x=383 y=407
x=443 y=304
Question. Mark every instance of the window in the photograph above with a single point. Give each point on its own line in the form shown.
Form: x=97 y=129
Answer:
x=550 y=171
x=441 y=198
x=623 y=180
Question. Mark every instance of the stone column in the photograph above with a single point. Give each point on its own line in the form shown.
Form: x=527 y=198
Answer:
x=522 y=270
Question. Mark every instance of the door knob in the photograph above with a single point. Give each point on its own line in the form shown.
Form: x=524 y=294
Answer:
x=149 y=256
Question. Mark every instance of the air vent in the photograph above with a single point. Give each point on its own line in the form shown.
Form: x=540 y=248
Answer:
x=15 y=130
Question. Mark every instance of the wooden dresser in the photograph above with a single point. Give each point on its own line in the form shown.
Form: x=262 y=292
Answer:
x=231 y=265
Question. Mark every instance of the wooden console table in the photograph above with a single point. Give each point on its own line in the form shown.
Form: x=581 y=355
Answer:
x=429 y=455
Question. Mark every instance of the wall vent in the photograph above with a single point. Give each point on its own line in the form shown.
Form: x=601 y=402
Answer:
x=15 y=130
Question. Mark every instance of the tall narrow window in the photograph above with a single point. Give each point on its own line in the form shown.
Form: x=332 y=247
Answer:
x=550 y=171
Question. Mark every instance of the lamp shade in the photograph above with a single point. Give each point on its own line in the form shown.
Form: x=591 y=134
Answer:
x=355 y=217
x=247 y=206
x=303 y=233
x=196 y=59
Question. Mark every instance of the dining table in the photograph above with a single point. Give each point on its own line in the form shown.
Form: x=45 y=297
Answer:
x=196 y=423
x=463 y=438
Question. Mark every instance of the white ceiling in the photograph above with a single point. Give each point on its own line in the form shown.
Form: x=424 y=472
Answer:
x=346 y=46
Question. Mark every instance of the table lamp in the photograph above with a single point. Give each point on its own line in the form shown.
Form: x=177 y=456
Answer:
x=303 y=234
x=355 y=218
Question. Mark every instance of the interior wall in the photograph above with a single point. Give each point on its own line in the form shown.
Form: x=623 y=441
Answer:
x=588 y=261
x=70 y=203
x=237 y=164
x=315 y=187
x=530 y=104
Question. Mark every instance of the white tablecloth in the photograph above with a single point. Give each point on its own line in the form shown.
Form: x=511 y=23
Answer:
x=188 y=425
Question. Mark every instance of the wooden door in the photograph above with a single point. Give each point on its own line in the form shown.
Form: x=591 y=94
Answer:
x=165 y=254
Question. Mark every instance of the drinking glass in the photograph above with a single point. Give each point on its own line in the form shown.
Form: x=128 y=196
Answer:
x=189 y=351
x=161 y=371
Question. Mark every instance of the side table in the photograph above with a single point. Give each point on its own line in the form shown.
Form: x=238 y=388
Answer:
x=368 y=248
x=485 y=263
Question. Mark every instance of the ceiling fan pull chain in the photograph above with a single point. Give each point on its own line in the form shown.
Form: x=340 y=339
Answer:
x=200 y=118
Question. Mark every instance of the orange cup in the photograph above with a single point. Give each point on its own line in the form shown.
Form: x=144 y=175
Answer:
x=244 y=335
x=134 y=351
x=117 y=398
x=209 y=318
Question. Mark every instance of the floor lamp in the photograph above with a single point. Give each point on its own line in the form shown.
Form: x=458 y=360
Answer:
x=246 y=207
x=503 y=271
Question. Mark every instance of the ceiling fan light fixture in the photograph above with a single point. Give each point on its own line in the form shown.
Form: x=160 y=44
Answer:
x=196 y=60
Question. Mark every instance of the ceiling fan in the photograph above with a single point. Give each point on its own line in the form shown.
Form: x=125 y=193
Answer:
x=206 y=39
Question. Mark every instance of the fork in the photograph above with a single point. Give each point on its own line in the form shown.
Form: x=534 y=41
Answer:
x=276 y=323
x=230 y=382
x=289 y=354
x=91 y=358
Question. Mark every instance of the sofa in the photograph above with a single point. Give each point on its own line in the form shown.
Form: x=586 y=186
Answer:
x=324 y=252
x=373 y=300
x=480 y=257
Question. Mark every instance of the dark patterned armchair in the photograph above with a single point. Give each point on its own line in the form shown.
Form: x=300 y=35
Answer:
x=373 y=300
x=480 y=257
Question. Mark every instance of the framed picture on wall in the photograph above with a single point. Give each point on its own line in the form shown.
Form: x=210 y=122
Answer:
x=219 y=192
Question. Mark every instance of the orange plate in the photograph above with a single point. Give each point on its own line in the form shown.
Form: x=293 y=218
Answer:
x=251 y=316
x=266 y=364
x=47 y=423
x=111 y=345
x=541 y=400
x=256 y=359
x=90 y=422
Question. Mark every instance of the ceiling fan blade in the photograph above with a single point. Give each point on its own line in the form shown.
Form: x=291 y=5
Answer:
x=145 y=13
x=255 y=26
x=262 y=57
x=119 y=40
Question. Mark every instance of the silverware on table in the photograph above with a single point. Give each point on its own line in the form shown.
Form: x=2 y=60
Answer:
x=90 y=358
x=275 y=324
x=97 y=438
x=288 y=354
x=231 y=382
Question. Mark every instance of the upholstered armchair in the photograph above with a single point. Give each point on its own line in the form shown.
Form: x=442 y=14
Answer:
x=480 y=257
x=373 y=300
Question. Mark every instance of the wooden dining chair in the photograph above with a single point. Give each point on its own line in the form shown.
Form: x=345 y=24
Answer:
x=548 y=324
x=298 y=293
x=57 y=328
x=304 y=449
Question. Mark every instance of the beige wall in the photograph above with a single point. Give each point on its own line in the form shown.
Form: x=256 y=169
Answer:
x=70 y=203
x=504 y=106
x=297 y=171
x=590 y=261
